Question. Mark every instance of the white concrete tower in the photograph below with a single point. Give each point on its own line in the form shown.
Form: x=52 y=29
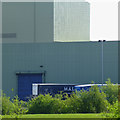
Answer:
x=71 y=20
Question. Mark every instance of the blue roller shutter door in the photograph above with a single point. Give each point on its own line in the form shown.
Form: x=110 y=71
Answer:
x=25 y=82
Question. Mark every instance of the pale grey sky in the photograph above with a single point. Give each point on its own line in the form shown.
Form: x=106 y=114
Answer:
x=104 y=19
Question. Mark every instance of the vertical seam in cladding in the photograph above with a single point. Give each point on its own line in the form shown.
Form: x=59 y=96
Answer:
x=34 y=22
x=53 y=21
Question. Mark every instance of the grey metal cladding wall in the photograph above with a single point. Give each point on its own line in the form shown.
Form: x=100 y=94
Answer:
x=18 y=19
x=27 y=22
x=77 y=63
x=44 y=22
x=111 y=61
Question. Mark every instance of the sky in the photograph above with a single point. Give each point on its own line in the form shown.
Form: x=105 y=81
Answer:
x=103 y=19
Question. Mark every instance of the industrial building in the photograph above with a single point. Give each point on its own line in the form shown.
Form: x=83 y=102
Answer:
x=36 y=22
x=38 y=48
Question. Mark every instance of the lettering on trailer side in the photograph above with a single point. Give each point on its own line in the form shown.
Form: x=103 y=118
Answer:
x=68 y=89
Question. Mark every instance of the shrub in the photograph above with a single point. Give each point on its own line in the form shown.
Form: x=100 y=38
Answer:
x=93 y=101
x=74 y=103
x=19 y=106
x=119 y=93
x=111 y=91
x=7 y=106
x=113 y=110
x=68 y=104
x=41 y=104
x=61 y=104
x=14 y=107
x=48 y=104
x=57 y=106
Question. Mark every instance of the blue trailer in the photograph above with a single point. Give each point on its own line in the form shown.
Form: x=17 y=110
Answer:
x=51 y=88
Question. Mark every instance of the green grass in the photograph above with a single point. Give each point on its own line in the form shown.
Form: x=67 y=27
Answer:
x=56 y=116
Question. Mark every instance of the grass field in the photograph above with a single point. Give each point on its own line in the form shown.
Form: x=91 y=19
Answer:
x=56 y=116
